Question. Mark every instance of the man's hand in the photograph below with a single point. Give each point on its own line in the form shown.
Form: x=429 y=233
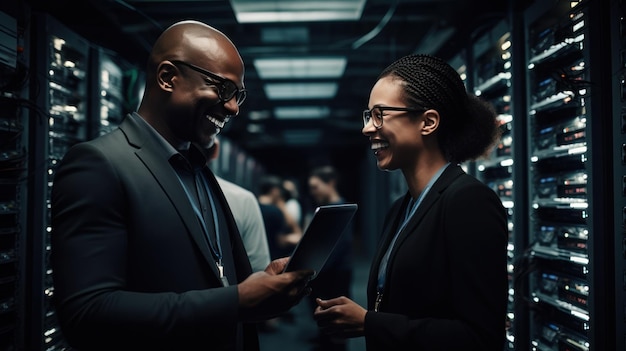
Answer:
x=269 y=293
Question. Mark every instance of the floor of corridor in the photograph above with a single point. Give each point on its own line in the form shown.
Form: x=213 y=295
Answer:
x=298 y=333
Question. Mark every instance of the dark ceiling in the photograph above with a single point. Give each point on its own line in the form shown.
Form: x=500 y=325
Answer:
x=400 y=27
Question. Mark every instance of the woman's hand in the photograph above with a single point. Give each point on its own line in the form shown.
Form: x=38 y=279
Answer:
x=340 y=317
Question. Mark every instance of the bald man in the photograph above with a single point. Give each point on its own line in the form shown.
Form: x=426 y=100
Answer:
x=146 y=254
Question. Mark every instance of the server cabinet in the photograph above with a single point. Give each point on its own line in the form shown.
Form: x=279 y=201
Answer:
x=617 y=62
x=567 y=186
x=459 y=63
x=492 y=75
x=236 y=165
x=115 y=87
x=464 y=67
x=14 y=105
x=60 y=89
x=109 y=82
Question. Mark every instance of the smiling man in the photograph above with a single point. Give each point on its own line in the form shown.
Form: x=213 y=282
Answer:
x=146 y=254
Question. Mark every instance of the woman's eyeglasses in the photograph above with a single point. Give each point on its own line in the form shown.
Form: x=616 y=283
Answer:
x=226 y=88
x=376 y=114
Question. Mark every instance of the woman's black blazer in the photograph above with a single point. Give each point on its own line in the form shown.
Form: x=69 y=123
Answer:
x=447 y=283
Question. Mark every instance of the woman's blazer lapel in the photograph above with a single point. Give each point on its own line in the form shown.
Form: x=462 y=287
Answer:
x=447 y=177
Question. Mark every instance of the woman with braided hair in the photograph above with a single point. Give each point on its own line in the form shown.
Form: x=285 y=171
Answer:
x=439 y=279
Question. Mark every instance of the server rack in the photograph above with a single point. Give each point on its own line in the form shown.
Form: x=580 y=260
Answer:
x=567 y=288
x=108 y=74
x=116 y=87
x=463 y=65
x=459 y=63
x=492 y=75
x=13 y=169
x=617 y=63
x=60 y=88
x=235 y=165
x=378 y=189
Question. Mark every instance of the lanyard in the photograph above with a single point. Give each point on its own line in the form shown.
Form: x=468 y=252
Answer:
x=217 y=250
x=410 y=210
x=202 y=186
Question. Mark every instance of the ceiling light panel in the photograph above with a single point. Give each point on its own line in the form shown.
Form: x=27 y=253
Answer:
x=291 y=91
x=258 y=11
x=274 y=35
x=302 y=136
x=318 y=67
x=301 y=112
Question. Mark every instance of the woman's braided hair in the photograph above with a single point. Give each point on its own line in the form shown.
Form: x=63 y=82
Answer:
x=468 y=127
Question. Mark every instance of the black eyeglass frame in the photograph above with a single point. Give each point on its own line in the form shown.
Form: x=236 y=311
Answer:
x=239 y=94
x=368 y=115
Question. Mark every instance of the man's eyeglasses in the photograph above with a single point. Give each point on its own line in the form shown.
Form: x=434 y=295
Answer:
x=376 y=114
x=226 y=88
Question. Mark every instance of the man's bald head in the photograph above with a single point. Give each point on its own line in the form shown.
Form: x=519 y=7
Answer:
x=190 y=41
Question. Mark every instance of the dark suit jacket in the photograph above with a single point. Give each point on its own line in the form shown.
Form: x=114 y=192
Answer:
x=131 y=265
x=447 y=282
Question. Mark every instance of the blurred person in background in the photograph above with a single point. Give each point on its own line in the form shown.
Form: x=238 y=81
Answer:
x=247 y=212
x=282 y=232
x=335 y=279
x=292 y=200
x=438 y=280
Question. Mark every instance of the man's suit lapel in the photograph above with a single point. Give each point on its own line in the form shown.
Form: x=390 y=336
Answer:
x=169 y=182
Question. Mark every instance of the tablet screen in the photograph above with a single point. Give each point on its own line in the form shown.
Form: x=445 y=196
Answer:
x=320 y=237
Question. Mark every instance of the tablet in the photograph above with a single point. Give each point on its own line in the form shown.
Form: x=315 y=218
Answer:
x=320 y=237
